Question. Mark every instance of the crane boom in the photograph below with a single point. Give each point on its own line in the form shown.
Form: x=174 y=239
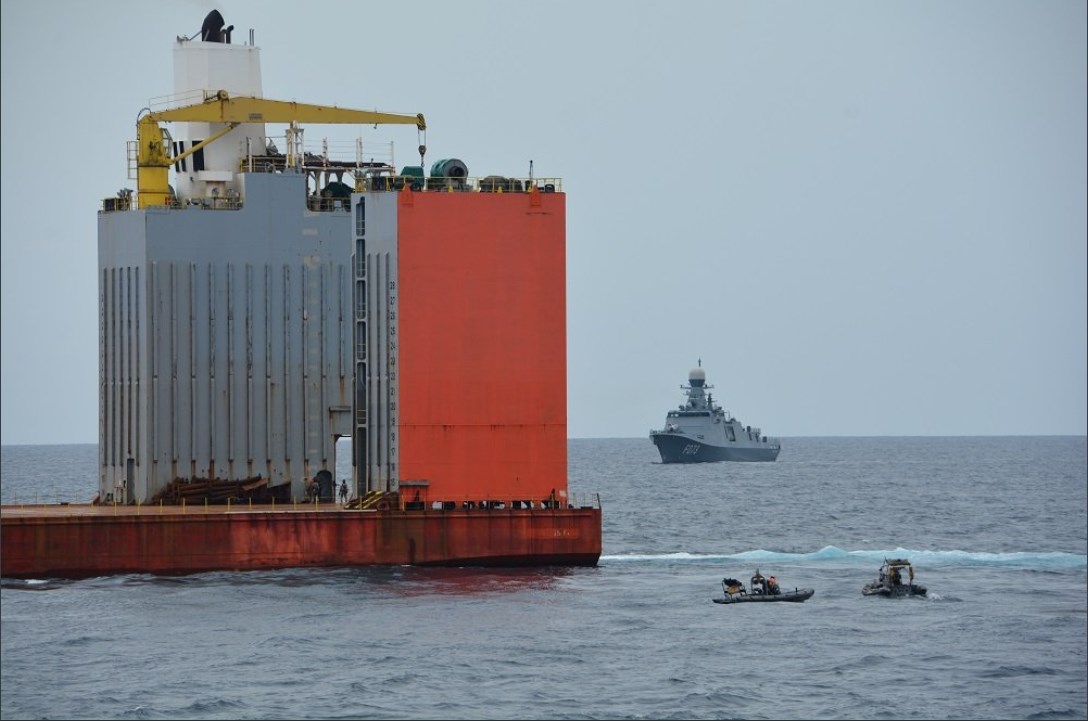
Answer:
x=153 y=159
x=221 y=108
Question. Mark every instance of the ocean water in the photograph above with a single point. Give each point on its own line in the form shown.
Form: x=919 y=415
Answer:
x=996 y=528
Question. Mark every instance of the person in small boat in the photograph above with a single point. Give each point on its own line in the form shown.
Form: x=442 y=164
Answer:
x=896 y=579
x=772 y=586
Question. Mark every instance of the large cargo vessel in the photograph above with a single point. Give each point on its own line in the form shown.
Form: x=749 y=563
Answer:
x=264 y=305
x=701 y=431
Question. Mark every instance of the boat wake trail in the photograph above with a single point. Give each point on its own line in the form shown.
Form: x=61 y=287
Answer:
x=831 y=554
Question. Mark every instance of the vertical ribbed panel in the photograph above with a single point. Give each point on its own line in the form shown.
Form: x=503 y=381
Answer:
x=267 y=364
x=360 y=437
x=376 y=347
x=250 y=418
x=149 y=452
x=343 y=330
x=135 y=390
x=207 y=377
x=232 y=390
x=171 y=352
x=103 y=377
x=373 y=380
x=284 y=392
x=188 y=449
x=110 y=409
x=245 y=357
x=121 y=394
x=314 y=374
x=382 y=378
x=225 y=345
x=389 y=288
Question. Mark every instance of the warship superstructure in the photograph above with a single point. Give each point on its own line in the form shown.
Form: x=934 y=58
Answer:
x=701 y=431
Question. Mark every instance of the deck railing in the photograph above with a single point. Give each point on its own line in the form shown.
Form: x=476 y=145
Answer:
x=384 y=183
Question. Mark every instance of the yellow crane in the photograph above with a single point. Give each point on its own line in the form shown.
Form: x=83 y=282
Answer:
x=153 y=159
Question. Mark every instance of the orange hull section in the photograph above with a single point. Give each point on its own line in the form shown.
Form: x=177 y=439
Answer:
x=482 y=334
x=60 y=542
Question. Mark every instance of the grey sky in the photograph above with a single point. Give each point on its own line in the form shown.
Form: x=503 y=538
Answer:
x=866 y=218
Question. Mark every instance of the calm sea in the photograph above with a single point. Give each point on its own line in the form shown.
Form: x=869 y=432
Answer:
x=996 y=528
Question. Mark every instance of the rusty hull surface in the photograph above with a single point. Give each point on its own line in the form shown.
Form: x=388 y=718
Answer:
x=83 y=540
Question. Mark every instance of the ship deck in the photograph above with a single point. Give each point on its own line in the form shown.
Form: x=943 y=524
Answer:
x=57 y=510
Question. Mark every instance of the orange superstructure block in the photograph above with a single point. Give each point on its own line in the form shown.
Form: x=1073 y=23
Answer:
x=482 y=344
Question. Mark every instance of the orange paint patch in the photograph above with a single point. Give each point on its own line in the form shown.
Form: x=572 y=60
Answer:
x=482 y=344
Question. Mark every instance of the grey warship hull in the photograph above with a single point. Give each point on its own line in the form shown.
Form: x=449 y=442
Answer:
x=680 y=448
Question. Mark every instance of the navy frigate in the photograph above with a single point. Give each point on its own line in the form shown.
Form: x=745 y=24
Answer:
x=700 y=431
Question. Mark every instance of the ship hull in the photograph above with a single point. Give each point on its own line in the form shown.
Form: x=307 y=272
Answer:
x=88 y=541
x=678 y=448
